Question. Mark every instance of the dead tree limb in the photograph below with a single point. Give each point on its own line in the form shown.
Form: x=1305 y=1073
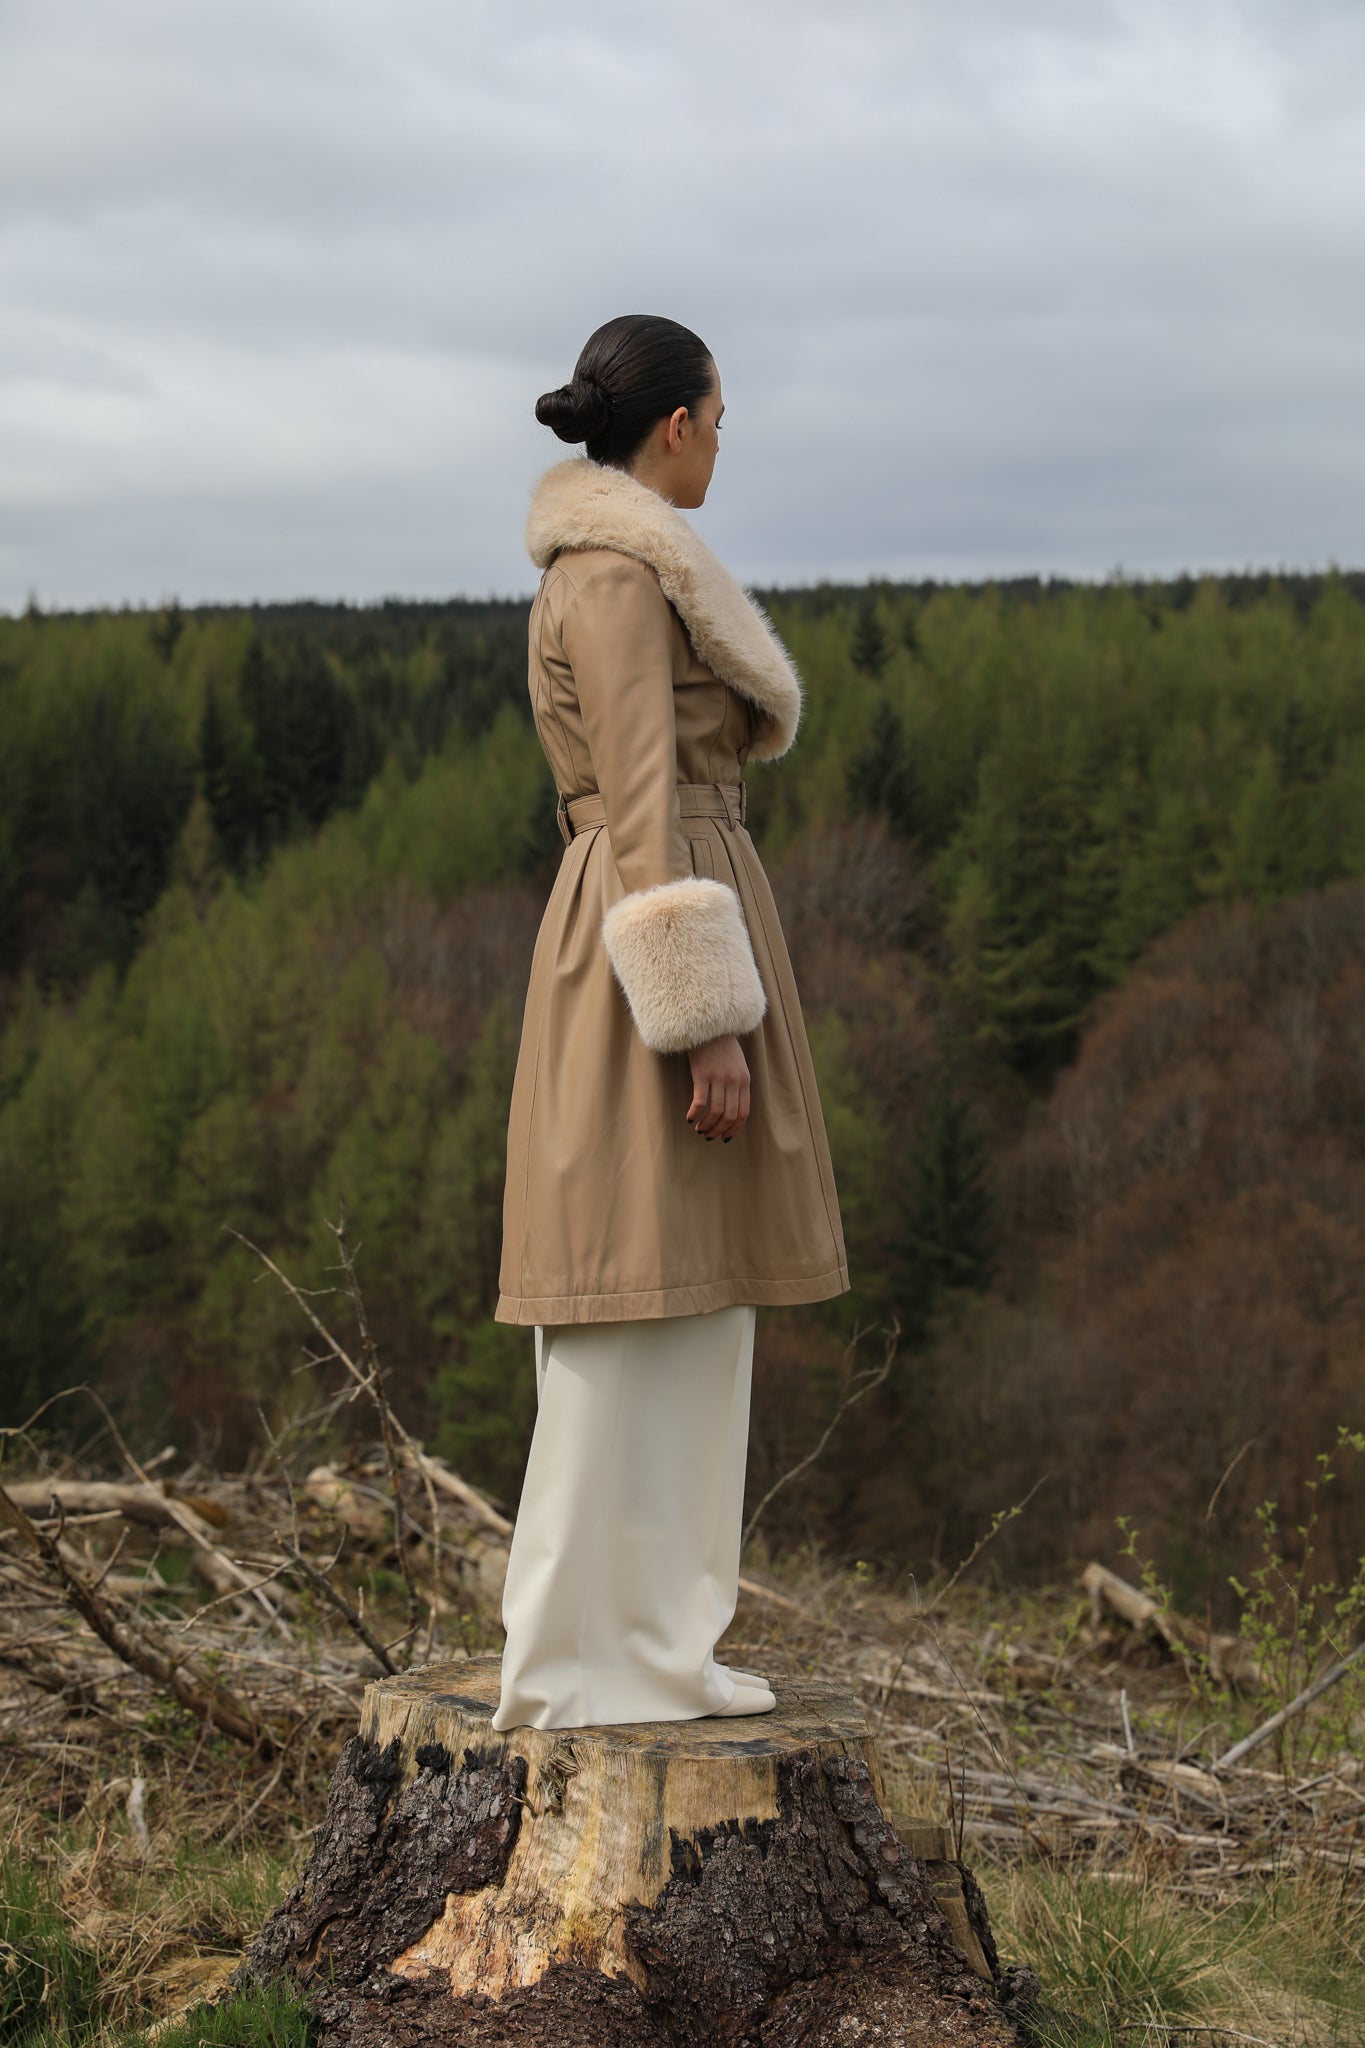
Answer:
x=1229 y=1658
x=132 y=1641
x=1296 y=1706
x=145 y=1501
x=354 y=1621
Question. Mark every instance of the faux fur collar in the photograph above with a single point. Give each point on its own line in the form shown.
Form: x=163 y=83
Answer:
x=583 y=504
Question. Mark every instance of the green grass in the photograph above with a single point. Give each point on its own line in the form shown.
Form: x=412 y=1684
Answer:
x=1116 y=1953
x=49 y=1982
x=1125 y=1961
x=271 y=2018
x=98 y=1966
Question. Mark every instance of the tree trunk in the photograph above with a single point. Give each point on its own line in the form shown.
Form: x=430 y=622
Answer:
x=732 y=1883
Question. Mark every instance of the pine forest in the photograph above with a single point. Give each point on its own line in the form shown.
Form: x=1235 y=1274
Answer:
x=1073 y=878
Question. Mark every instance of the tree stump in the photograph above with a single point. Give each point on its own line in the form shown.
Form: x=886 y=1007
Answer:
x=732 y=1883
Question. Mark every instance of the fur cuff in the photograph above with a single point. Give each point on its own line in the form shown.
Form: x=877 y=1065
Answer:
x=681 y=952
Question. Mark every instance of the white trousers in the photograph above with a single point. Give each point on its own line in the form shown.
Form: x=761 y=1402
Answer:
x=624 y=1567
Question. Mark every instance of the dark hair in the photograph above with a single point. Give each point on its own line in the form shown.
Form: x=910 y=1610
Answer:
x=631 y=373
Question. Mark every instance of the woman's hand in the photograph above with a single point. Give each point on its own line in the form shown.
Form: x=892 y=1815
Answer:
x=720 y=1088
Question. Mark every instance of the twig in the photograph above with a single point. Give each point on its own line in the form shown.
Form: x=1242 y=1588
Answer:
x=355 y=1622
x=370 y=1382
x=1005 y=1515
x=373 y=1368
x=319 y=1580
x=233 y=1596
x=922 y=1617
x=1296 y=1706
x=142 y=1505
x=854 y=1392
x=134 y=1644
x=1128 y=1741
x=1231 y=1467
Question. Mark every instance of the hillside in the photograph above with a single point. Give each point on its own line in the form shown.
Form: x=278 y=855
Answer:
x=1070 y=876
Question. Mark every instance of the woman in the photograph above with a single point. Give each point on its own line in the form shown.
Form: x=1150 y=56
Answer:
x=667 y=1165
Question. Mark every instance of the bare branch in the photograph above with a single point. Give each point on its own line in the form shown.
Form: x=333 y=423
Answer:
x=358 y=1626
x=1296 y=1706
x=855 y=1391
x=132 y=1642
x=400 y=1447
x=388 y=1428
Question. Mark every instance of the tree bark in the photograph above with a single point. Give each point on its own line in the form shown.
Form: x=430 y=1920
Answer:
x=732 y=1883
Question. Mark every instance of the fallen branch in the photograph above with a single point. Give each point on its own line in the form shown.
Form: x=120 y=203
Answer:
x=1230 y=1661
x=145 y=1504
x=440 y=1476
x=1296 y=1706
x=131 y=1641
x=772 y=1598
x=354 y=1621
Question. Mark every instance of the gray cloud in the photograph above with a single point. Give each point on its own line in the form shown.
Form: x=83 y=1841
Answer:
x=992 y=288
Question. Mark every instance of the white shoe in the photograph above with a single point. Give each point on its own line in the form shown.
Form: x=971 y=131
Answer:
x=756 y=1698
x=745 y=1677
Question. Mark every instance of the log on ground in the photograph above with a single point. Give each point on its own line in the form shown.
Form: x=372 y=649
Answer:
x=729 y=1882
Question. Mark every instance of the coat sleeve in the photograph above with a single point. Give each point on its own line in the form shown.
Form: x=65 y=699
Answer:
x=677 y=942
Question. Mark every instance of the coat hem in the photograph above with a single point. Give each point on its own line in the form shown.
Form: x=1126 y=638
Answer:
x=670 y=1301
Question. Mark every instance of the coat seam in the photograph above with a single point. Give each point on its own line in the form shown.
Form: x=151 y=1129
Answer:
x=549 y=697
x=791 y=1041
x=535 y=1088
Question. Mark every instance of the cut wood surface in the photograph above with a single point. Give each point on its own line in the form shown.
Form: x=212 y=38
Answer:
x=712 y=1881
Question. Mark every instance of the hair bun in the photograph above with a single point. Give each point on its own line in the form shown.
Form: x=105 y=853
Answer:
x=576 y=412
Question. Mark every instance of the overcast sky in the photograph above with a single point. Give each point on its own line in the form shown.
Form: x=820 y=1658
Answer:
x=994 y=285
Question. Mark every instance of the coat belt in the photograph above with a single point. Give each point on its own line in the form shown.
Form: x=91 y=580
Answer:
x=728 y=800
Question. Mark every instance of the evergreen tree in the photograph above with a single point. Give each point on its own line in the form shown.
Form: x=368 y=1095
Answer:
x=230 y=775
x=945 y=1236
x=869 y=639
x=166 y=629
x=133 y=783
x=302 y=720
x=880 y=776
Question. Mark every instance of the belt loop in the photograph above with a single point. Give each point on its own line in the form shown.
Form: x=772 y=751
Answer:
x=562 y=819
x=719 y=787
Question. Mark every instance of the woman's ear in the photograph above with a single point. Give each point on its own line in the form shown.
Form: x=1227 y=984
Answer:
x=677 y=422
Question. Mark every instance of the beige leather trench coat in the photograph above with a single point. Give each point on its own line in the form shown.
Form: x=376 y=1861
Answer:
x=660 y=932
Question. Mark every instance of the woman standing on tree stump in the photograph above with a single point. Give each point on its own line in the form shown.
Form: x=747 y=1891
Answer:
x=667 y=1165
